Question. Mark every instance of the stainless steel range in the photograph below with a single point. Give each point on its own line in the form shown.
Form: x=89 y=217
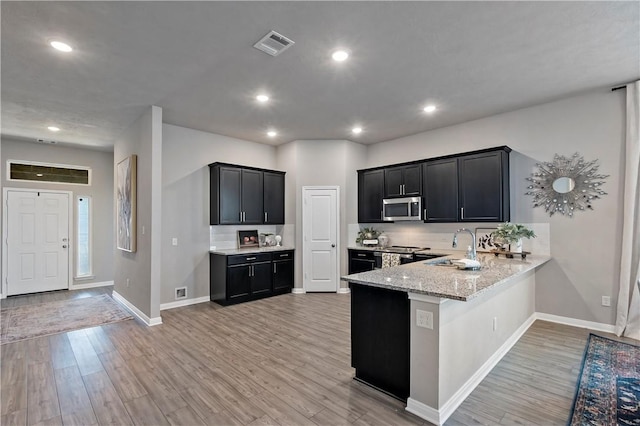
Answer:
x=407 y=254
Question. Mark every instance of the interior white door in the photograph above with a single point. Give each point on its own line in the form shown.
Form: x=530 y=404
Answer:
x=37 y=241
x=320 y=239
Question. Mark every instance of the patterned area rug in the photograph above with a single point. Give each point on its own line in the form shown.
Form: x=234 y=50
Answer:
x=28 y=322
x=609 y=386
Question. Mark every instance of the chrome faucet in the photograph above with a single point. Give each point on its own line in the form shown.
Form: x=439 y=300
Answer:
x=474 y=254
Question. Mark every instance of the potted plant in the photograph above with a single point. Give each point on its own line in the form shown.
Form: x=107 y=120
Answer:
x=512 y=234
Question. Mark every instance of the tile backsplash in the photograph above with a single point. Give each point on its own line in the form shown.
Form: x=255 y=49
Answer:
x=224 y=237
x=440 y=235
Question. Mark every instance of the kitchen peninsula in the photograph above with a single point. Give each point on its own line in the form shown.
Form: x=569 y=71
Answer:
x=467 y=321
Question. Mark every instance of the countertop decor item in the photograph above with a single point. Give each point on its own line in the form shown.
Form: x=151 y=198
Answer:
x=566 y=185
x=512 y=234
x=366 y=236
x=248 y=238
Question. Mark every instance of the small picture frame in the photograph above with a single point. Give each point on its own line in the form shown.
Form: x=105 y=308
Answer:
x=248 y=239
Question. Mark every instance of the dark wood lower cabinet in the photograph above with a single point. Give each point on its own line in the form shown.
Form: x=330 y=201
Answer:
x=380 y=330
x=240 y=278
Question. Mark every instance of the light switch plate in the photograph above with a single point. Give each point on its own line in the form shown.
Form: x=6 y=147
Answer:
x=174 y=241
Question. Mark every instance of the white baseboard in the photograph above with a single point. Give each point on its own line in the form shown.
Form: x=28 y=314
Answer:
x=90 y=285
x=298 y=290
x=184 y=302
x=135 y=311
x=424 y=411
x=597 y=326
x=344 y=290
x=438 y=417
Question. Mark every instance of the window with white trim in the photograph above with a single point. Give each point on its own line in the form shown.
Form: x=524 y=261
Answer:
x=83 y=237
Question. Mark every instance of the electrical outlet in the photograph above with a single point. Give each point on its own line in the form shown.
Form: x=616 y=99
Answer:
x=606 y=301
x=495 y=323
x=127 y=282
x=174 y=241
x=424 y=319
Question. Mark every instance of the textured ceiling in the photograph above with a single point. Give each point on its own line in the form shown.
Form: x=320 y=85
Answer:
x=196 y=61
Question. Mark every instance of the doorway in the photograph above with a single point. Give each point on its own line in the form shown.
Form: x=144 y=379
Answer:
x=36 y=226
x=320 y=238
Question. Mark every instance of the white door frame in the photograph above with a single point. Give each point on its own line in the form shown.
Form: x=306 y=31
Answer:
x=5 y=228
x=337 y=271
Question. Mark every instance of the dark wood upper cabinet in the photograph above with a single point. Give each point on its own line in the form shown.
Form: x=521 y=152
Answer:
x=468 y=187
x=483 y=187
x=252 y=197
x=370 y=195
x=273 y=198
x=402 y=181
x=226 y=196
x=440 y=187
x=245 y=195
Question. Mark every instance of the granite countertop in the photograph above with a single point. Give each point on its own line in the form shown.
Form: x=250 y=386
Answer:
x=426 y=277
x=250 y=250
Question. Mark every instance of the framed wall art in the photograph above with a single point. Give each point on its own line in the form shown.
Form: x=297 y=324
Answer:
x=126 y=204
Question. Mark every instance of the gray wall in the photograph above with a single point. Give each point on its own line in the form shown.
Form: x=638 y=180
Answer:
x=317 y=163
x=143 y=138
x=185 y=202
x=100 y=190
x=585 y=249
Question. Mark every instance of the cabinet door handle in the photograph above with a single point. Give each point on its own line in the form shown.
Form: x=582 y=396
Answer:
x=461 y=212
x=265 y=217
x=240 y=216
x=425 y=214
x=381 y=214
x=274 y=268
x=403 y=190
x=244 y=216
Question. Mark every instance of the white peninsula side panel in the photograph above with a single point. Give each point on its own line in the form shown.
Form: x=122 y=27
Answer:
x=467 y=340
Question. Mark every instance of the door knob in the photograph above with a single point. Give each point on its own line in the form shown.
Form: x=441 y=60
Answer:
x=64 y=239
x=333 y=245
x=64 y=246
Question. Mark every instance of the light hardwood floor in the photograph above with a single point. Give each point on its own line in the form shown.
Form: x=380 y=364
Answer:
x=278 y=361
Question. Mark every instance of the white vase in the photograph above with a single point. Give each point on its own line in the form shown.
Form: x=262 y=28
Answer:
x=517 y=246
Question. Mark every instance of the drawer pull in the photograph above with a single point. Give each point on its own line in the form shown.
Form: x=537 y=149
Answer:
x=284 y=255
x=362 y=255
x=251 y=258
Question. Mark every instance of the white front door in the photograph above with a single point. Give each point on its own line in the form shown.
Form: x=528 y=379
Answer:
x=320 y=239
x=37 y=241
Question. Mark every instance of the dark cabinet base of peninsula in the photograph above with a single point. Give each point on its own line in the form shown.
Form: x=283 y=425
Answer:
x=244 y=277
x=380 y=338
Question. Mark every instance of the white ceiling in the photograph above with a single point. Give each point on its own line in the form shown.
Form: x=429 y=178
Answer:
x=196 y=61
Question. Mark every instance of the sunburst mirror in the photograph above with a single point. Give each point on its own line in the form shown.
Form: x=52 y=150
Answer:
x=566 y=185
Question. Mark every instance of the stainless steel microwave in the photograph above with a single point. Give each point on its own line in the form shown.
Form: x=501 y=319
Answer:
x=407 y=208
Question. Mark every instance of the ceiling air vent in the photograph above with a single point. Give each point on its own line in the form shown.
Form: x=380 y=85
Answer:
x=273 y=43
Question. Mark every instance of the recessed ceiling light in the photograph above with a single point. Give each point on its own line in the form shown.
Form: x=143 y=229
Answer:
x=340 y=55
x=429 y=108
x=272 y=133
x=357 y=130
x=262 y=98
x=53 y=128
x=61 y=46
